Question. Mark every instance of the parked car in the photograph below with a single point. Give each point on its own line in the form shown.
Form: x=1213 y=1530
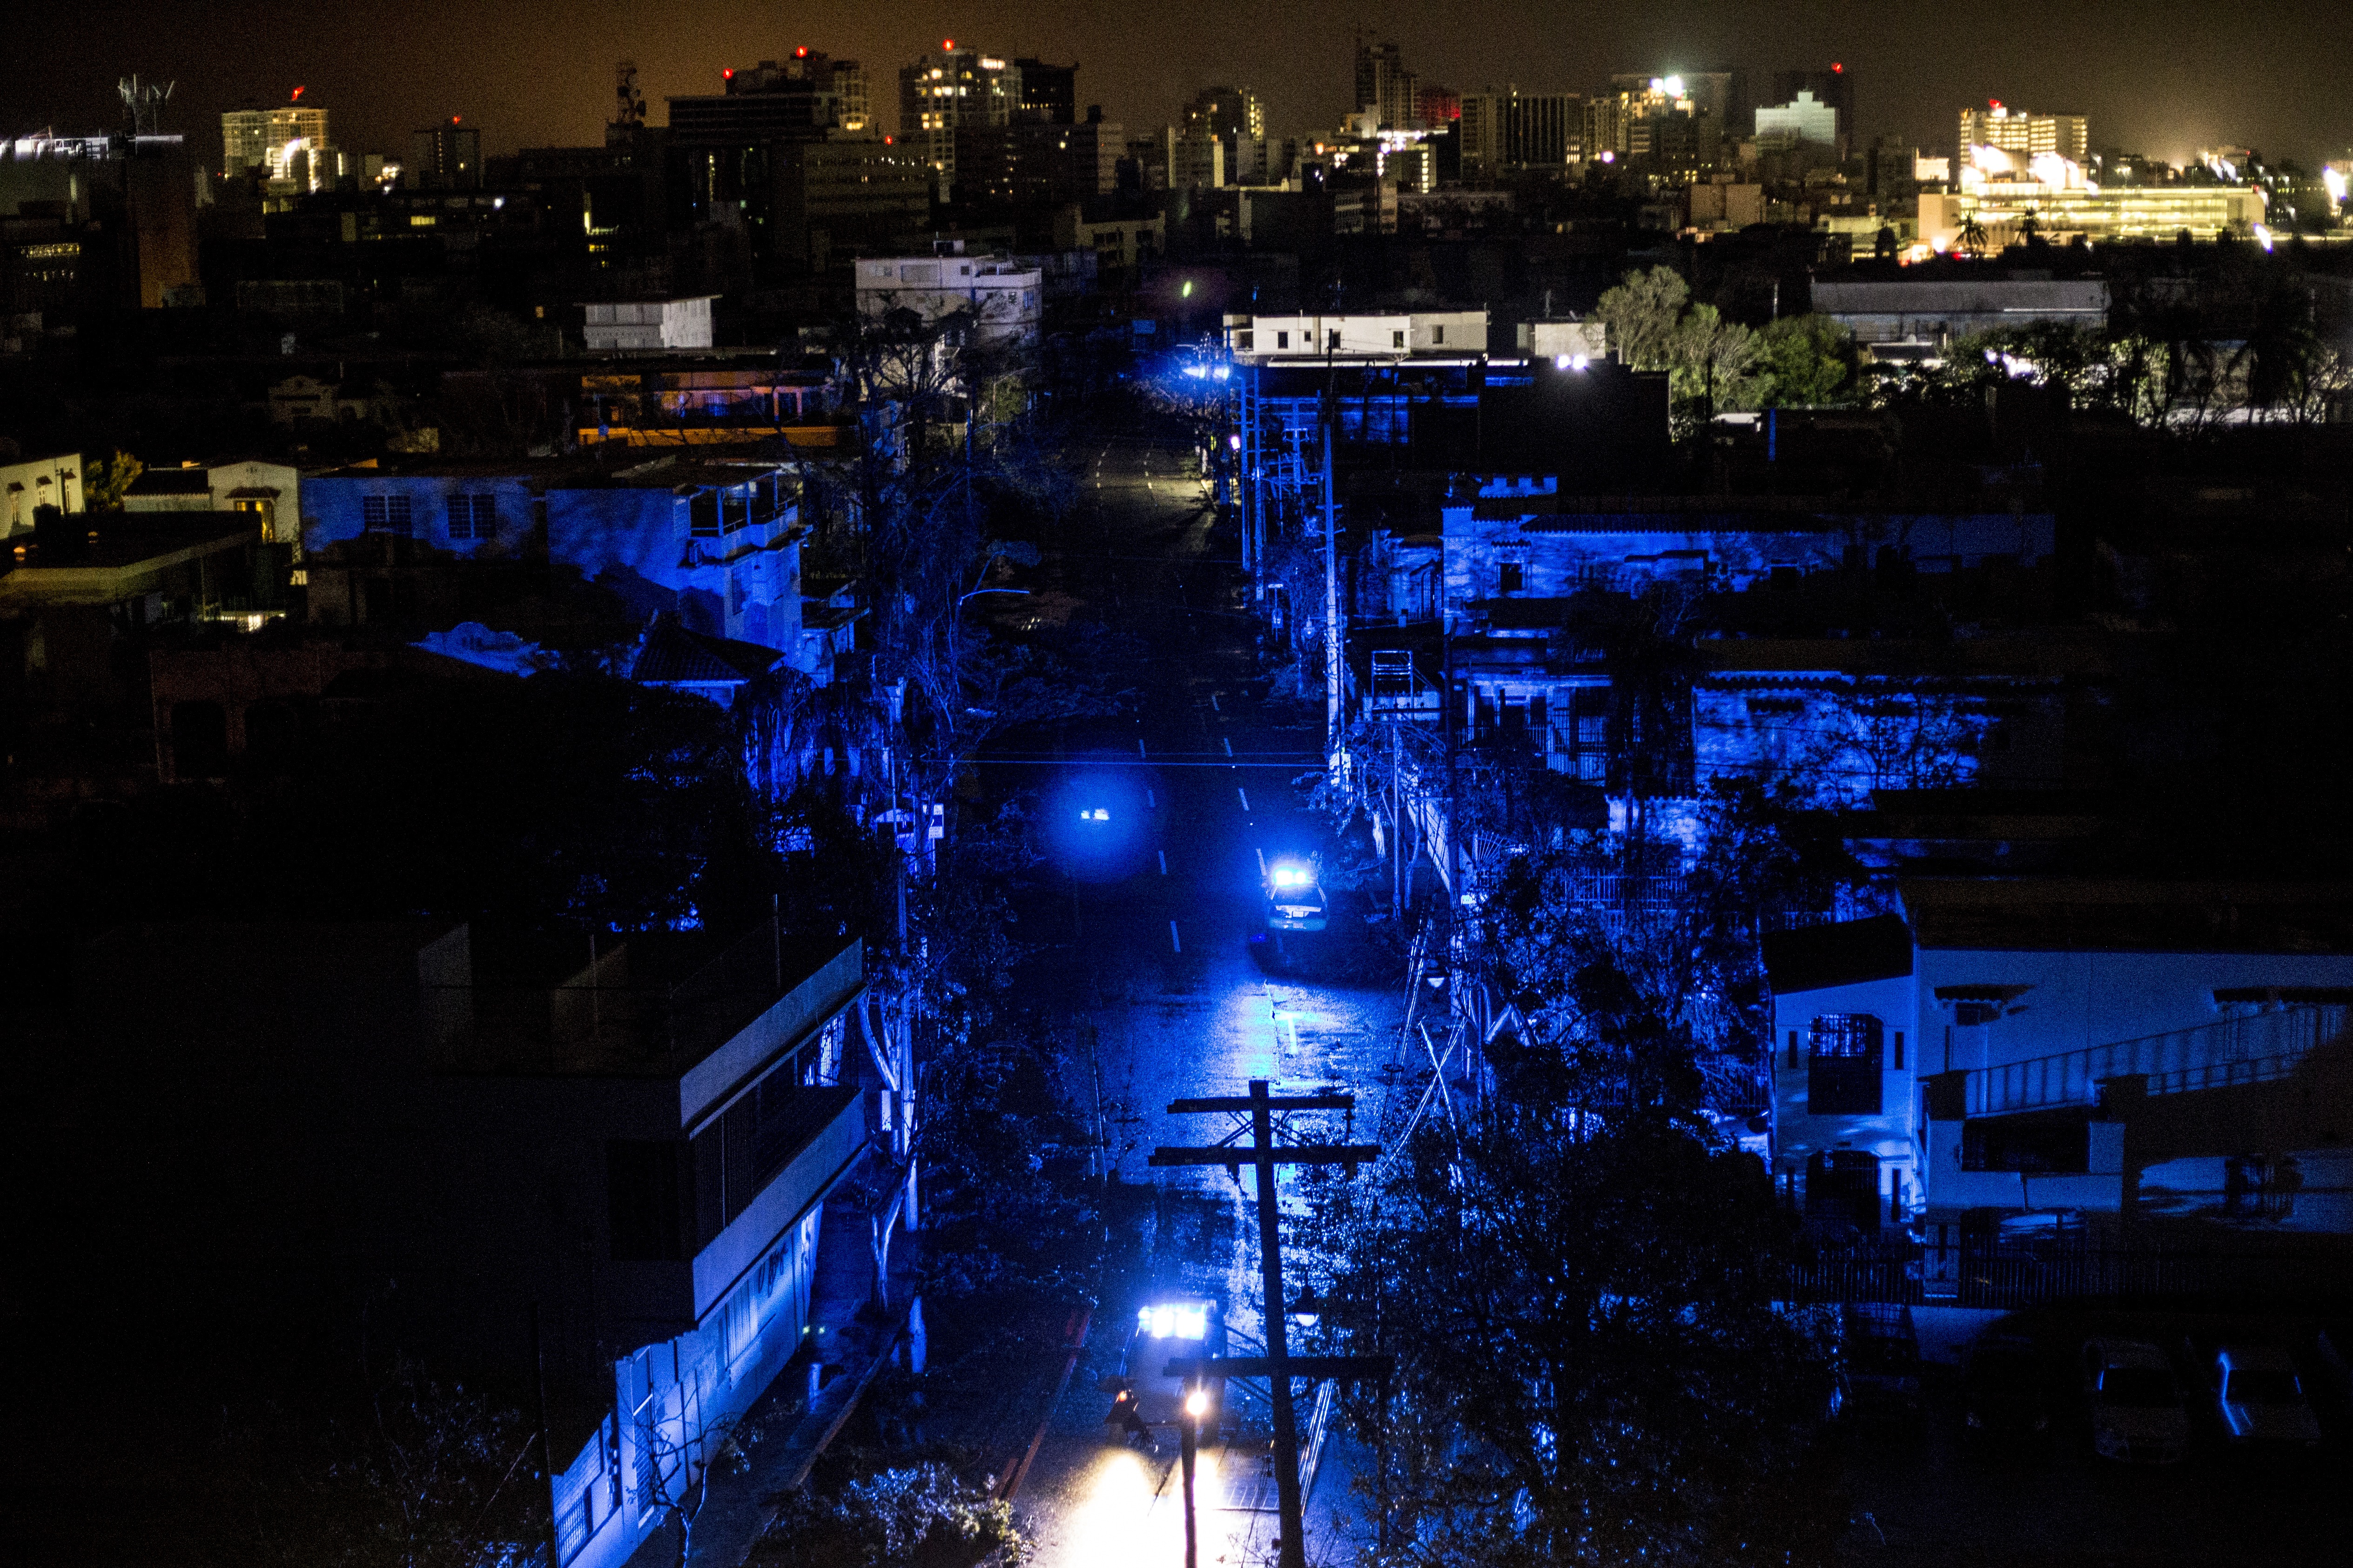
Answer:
x=2259 y=1398
x=2137 y=1415
x=2004 y=1389
x=1882 y=1359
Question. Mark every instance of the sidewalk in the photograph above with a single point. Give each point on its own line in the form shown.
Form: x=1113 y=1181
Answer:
x=791 y=1432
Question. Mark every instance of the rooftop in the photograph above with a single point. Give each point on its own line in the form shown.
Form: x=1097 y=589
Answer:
x=674 y=655
x=2128 y=915
x=123 y=552
x=1848 y=953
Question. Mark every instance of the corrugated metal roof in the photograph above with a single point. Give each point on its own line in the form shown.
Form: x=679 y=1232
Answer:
x=674 y=656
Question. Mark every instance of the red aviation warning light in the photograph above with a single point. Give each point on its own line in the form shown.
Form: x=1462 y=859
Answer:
x=297 y=98
x=947 y=46
x=801 y=53
x=1836 y=67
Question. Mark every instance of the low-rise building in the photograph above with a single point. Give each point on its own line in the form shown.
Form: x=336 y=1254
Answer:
x=1924 y=316
x=34 y=482
x=611 y=1158
x=2066 y=1042
x=269 y=493
x=638 y=326
x=1005 y=297
x=715 y=541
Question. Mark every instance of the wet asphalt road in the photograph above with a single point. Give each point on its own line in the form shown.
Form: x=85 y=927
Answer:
x=1156 y=911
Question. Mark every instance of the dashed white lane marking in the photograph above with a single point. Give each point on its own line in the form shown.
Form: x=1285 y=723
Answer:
x=1213 y=703
x=1139 y=745
x=1149 y=801
x=1262 y=862
x=1164 y=861
x=1245 y=794
x=1175 y=944
x=1229 y=745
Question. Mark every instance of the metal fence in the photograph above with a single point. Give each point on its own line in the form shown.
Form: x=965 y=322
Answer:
x=2249 y=1049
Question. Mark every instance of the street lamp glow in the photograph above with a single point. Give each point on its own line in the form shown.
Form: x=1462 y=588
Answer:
x=1234 y=442
x=1196 y=1404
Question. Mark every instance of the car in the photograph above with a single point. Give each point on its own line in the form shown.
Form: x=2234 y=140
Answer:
x=1166 y=1328
x=2259 y=1399
x=1294 y=896
x=2137 y=1415
x=2003 y=1390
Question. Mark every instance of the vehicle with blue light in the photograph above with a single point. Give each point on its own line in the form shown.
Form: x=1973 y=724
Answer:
x=1294 y=896
x=1143 y=1396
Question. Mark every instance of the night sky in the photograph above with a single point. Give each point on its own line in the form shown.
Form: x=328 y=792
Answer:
x=2160 y=79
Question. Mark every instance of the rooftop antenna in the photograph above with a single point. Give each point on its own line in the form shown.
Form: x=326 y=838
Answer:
x=628 y=105
x=142 y=102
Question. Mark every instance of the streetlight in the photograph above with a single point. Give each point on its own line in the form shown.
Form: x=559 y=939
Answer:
x=1188 y=1445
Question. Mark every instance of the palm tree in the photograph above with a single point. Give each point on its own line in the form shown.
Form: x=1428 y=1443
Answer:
x=1973 y=236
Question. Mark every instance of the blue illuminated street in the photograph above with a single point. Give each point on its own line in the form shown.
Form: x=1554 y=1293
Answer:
x=1158 y=918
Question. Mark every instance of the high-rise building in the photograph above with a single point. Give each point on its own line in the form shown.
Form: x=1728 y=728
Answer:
x=1721 y=95
x=1514 y=130
x=1803 y=122
x=256 y=138
x=444 y=157
x=2015 y=130
x=954 y=91
x=1384 y=86
x=1195 y=160
x=1834 y=87
x=1232 y=114
x=1049 y=93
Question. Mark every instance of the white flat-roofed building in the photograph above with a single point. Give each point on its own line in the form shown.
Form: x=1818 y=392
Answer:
x=1452 y=333
x=1003 y=294
x=628 y=325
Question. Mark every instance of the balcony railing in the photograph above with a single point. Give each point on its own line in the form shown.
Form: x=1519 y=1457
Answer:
x=2253 y=1048
x=612 y=1017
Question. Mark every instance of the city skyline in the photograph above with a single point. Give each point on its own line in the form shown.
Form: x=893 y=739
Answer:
x=526 y=81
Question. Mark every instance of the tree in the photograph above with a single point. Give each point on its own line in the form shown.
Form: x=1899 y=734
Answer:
x=1711 y=358
x=102 y=489
x=1641 y=314
x=921 y=1516
x=1590 y=1367
x=428 y=1475
x=1972 y=236
x=1802 y=361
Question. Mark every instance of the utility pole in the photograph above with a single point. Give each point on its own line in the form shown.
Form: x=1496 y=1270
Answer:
x=1279 y=1366
x=1335 y=642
